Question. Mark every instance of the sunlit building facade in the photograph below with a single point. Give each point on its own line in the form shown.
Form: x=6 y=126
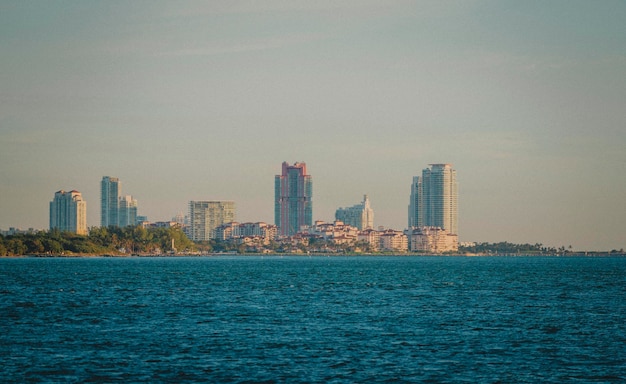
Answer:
x=434 y=199
x=394 y=241
x=206 y=216
x=117 y=210
x=235 y=231
x=68 y=212
x=433 y=240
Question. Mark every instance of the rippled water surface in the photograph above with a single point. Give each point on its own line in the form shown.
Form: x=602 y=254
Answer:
x=319 y=319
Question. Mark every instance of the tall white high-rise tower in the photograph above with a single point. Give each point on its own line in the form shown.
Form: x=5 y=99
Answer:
x=110 y=190
x=434 y=199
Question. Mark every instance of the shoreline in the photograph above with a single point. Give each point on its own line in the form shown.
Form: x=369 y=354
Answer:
x=191 y=255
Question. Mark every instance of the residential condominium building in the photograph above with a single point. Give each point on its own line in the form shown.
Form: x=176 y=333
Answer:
x=371 y=238
x=293 y=205
x=338 y=232
x=360 y=216
x=116 y=210
x=206 y=216
x=110 y=190
x=68 y=212
x=434 y=199
x=127 y=211
x=432 y=240
x=233 y=230
x=394 y=241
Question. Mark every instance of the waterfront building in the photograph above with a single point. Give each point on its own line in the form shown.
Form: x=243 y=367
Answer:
x=117 y=210
x=416 y=209
x=127 y=211
x=293 y=205
x=370 y=237
x=434 y=199
x=360 y=216
x=110 y=191
x=394 y=241
x=206 y=216
x=260 y=229
x=68 y=212
x=338 y=232
x=259 y=233
x=433 y=240
x=227 y=231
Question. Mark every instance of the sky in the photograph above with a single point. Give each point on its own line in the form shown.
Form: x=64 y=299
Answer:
x=204 y=100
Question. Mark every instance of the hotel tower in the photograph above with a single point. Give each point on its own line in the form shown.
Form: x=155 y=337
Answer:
x=434 y=199
x=293 y=205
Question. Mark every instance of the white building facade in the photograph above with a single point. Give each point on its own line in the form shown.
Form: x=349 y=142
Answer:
x=394 y=241
x=68 y=212
x=338 y=232
x=260 y=232
x=127 y=211
x=206 y=216
x=360 y=216
x=433 y=240
x=434 y=199
x=110 y=190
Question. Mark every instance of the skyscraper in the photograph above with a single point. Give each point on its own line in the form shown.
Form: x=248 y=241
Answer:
x=434 y=199
x=116 y=210
x=360 y=215
x=206 y=216
x=68 y=212
x=293 y=205
x=127 y=211
x=416 y=208
x=110 y=190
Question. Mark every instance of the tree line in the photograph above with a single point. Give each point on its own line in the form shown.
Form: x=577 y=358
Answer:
x=511 y=248
x=99 y=241
x=139 y=240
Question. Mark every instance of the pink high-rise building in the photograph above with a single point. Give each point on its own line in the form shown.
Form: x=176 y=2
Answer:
x=293 y=206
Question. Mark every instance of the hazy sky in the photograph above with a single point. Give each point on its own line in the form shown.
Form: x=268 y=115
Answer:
x=186 y=100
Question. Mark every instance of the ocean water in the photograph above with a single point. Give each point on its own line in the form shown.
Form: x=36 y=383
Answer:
x=314 y=320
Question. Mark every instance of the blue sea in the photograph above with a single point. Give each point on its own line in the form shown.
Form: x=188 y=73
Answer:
x=298 y=319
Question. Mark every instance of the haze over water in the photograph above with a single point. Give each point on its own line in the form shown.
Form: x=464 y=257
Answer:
x=318 y=319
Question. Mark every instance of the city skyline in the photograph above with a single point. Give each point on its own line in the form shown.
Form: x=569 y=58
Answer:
x=195 y=100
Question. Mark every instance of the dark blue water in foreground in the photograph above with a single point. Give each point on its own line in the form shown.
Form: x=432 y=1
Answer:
x=320 y=319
